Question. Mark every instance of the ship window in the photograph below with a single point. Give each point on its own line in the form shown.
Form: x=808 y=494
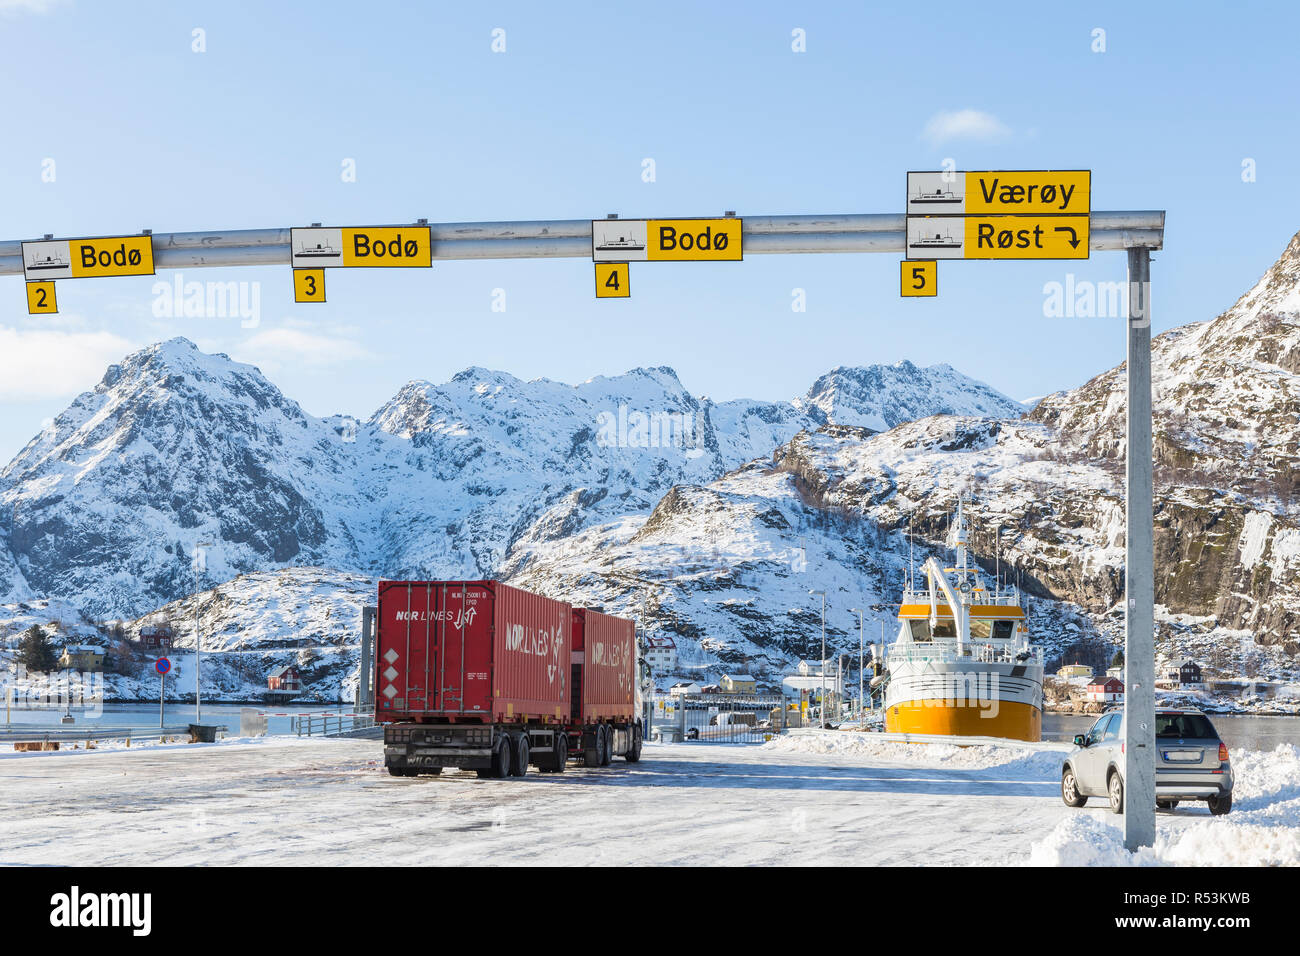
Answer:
x=920 y=631
x=944 y=628
x=996 y=630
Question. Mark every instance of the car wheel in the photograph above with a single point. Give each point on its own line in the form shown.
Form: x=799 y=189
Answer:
x=1220 y=805
x=1070 y=789
x=1115 y=790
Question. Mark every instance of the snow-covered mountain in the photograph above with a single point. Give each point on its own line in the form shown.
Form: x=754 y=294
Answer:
x=174 y=447
x=883 y=396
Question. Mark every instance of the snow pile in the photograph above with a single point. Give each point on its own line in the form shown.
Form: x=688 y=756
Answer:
x=1262 y=830
x=1046 y=764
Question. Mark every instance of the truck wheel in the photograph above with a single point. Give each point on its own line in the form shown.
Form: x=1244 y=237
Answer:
x=522 y=751
x=591 y=753
x=607 y=752
x=397 y=771
x=560 y=758
x=633 y=755
x=432 y=771
x=501 y=759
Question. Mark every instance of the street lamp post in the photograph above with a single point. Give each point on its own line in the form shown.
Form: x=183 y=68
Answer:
x=861 y=664
x=822 y=708
x=200 y=556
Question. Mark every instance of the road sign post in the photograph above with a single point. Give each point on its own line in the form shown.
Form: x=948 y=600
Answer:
x=1139 y=574
x=162 y=665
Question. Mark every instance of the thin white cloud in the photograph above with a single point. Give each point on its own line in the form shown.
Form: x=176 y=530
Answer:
x=17 y=7
x=38 y=364
x=964 y=124
x=273 y=349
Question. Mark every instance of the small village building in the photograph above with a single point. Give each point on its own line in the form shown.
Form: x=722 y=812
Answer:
x=685 y=687
x=739 y=684
x=1071 y=671
x=285 y=680
x=157 y=637
x=1108 y=691
x=82 y=657
x=661 y=655
x=1188 y=672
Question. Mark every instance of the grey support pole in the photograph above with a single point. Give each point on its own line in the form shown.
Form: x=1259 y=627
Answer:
x=365 y=690
x=1139 y=577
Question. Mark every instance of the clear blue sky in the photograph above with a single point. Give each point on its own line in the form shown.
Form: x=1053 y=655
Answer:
x=146 y=133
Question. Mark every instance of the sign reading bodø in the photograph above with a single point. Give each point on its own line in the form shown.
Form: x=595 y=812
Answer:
x=47 y=259
x=666 y=240
x=386 y=246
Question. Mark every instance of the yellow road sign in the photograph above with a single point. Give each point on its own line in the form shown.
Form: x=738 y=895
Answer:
x=997 y=237
x=666 y=240
x=368 y=246
x=1026 y=237
x=40 y=298
x=1000 y=192
x=1030 y=191
x=48 y=259
x=695 y=240
x=612 y=280
x=309 y=285
x=920 y=277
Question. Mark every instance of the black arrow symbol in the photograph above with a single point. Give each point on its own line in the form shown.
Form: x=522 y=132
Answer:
x=1074 y=236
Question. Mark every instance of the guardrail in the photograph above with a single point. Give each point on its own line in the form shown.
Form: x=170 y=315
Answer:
x=329 y=725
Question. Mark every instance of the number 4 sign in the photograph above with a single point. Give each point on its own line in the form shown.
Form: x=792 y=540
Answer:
x=612 y=280
x=920 y=277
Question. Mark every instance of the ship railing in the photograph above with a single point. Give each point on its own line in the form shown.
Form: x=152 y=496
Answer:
x=982 y=653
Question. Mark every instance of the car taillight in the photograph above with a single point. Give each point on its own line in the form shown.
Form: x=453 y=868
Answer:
x=1223 y=753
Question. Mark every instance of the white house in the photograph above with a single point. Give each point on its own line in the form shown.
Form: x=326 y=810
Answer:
x=661 y=655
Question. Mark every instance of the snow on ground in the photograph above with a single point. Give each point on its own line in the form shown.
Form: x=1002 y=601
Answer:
x=981 y=757
x=1263 y=828
x=281 y=800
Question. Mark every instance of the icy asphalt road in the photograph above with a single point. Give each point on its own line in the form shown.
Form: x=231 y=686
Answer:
x=330 y=802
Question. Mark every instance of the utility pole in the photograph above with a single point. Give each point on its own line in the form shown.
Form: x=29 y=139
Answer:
x=861 y=664
x=1139 y=569
x=822 y=708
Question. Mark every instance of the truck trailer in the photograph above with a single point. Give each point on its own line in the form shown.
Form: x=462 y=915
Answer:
x=479 y=675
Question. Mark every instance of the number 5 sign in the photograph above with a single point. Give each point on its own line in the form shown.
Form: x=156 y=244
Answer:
x=920 y=277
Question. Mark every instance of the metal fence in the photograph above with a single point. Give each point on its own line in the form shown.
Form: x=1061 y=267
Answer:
x=718 y=718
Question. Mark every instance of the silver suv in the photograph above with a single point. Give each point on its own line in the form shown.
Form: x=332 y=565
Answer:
x=1191 y=762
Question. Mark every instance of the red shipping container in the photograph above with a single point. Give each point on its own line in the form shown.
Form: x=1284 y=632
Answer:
x=605 y=646
x=470 y=651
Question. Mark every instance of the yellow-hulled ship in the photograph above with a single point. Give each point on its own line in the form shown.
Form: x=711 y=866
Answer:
x=962 y=664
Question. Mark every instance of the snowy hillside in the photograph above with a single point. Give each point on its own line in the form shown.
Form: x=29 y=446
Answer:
x=883 y=396
x=175 y=447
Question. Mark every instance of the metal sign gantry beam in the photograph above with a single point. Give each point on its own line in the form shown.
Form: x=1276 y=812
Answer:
x=571 y=239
